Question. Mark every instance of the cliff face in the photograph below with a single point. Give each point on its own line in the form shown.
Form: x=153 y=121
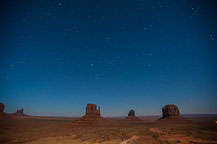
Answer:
x=171 y=112
x=20 y=112
x=132 y=117
x=131 y=113
x=91 y=109
x=2 y=107
x=92 y=116
x=17 y=114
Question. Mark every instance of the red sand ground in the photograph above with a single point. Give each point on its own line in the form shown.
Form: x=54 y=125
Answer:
x=53 y=130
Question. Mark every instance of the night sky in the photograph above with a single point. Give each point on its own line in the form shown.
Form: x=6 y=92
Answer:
x=58 y=55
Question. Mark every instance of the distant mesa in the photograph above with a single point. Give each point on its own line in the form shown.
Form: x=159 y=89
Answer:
x=131 y=116
x=131 y=113
x=91 y=109
x=17 y=114
x=171 y=112
x=92 y=116
x=20 y=113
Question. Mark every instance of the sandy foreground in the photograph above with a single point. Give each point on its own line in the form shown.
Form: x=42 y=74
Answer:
x=52 y=130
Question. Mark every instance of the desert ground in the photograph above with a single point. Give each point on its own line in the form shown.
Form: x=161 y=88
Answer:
x=198 y=129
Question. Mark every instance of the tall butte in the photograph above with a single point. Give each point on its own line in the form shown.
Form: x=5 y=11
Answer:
x=2 y=107
x=171 y=112
x=92 y=116
x=132 y=117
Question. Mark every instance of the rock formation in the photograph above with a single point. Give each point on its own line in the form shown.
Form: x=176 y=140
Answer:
x=131 y=116
x=2 y=107
x=171 y=112
x=131 y=113
x=92 y=110
x=18 y=113
x=92 y=116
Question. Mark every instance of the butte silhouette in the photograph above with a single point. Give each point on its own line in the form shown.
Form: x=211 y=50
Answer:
x=92 y=116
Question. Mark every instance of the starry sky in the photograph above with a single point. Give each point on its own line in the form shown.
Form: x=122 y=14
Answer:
x=58 y=55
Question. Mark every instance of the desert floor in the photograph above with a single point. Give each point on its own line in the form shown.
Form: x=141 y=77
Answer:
x=53 y=130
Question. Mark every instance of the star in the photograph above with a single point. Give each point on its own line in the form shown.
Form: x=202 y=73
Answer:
x=150 y=54
x=212 y=36
x=149 y=65
x=108 y=38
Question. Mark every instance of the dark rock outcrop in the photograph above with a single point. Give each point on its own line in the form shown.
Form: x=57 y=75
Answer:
x=131 y=113
x=18 y=113
x=171 y=112
x=2 y=107
x=91 y=109
x=131 y=116
x=92 y=116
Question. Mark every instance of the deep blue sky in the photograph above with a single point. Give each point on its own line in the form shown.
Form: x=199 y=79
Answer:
x=58 y=55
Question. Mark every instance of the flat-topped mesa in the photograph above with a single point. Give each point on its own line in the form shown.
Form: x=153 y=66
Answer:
x=91 y=109
x=171 y=112
x=92 y=116
x=131 y=113
x=131 y=116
